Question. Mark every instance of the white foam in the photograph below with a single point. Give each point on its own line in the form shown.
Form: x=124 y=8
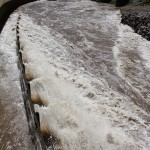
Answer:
x=80 y=115
x=132 y=54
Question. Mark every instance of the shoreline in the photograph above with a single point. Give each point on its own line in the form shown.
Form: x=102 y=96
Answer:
x=138 y=18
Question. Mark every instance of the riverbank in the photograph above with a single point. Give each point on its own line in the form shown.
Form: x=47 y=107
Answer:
x=137 y=17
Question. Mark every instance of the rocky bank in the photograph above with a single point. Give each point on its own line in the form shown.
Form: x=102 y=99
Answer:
x=138 y=17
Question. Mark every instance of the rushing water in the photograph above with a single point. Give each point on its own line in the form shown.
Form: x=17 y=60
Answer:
x=89 y=75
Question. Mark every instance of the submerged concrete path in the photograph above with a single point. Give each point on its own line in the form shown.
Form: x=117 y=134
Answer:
x=14 y=132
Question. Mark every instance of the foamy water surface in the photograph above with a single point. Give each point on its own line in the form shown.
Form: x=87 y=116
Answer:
x=90 y=74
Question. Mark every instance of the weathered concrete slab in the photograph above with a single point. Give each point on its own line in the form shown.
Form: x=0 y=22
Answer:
x=14 y=131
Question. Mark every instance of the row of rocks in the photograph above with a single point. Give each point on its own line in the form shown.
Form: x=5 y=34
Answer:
x=139 y=21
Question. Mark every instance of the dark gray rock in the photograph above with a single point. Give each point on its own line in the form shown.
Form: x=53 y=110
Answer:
x=137 y=19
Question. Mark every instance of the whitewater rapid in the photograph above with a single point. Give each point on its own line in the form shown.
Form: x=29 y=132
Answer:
x=89 y=75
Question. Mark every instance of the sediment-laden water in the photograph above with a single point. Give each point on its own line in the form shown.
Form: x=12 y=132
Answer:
x=89 y=75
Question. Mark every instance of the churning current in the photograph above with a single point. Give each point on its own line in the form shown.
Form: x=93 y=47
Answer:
x=89 y=75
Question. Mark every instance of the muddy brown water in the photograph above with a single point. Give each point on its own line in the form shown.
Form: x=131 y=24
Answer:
x=81 y=37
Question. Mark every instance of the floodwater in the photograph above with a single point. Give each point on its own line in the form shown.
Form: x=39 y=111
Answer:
x=89 y=75
x=14 y=132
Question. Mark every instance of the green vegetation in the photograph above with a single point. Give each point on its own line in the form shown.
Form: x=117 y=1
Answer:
x=117 y=2
x=147 y=2
x=103 y=1
x=120 y=3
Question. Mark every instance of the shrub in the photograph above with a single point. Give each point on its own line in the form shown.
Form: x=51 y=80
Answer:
x=103 y=1
x=120 y=3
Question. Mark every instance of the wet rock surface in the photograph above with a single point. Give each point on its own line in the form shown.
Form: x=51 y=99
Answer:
x=137 y=17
